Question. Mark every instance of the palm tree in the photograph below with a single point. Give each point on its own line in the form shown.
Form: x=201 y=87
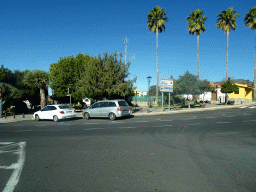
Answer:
x=196 y=26
x=156 y=22
x=226 y=22
x=40 y=79
x=250 y=21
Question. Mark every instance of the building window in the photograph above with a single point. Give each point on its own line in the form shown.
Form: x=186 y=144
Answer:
x=237 y=92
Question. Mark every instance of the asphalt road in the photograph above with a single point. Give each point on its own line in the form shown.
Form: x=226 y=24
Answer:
x=205 y=151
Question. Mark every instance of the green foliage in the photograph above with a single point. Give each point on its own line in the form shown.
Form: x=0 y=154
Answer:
x=250 y=18
x=227 y=20
x=231 y=102
x=37 y=79
x=152 y=90
x=66 y=73
x=6 y=75
x=156 y=19
x=228 y=87
x=105 y=77
x=10 y=95
x=190 y=84
x=196 y=22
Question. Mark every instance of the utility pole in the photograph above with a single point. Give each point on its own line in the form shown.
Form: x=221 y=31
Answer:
x=125 y=54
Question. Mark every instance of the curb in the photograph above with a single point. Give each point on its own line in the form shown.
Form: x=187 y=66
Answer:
x=187 y=110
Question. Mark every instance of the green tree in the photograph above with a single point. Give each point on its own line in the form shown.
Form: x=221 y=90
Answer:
x=152 y=91
x=196 y=26
x=228 y=87
x=250 y=21
x=66 y=73
x=105 y=77
x=39 y=79
x=10 y=95
x=190 y=84
x=226 y=22
x=6 y=75
x=156 y=22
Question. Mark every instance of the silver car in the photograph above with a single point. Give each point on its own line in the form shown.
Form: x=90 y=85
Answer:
x=108 y=108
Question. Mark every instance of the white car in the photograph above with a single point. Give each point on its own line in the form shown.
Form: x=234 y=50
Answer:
x=55 y=112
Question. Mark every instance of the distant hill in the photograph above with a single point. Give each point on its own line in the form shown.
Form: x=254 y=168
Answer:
x=240 y=81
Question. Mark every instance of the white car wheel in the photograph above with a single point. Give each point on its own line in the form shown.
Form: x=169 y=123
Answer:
x=55 y=118
x=37 y=118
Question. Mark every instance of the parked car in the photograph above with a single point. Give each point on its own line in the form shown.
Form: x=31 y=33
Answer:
x=55 y=112
x=108 y=108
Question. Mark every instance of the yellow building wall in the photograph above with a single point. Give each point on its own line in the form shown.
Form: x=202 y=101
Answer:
x=244 y=92
x=138 y=92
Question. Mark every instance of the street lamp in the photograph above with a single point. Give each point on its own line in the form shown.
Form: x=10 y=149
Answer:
x=148 y=78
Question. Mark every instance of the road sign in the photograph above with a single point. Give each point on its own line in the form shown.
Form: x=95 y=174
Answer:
x=166 y=85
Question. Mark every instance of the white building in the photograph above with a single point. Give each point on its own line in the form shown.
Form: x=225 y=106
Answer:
x=144 y=93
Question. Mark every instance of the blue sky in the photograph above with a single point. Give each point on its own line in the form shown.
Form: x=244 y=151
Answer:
x=35 y=34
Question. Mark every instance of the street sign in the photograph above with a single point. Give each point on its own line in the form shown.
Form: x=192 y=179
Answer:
x=166 y=85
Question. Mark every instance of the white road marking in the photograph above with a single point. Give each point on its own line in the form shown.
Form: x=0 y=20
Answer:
x=228 y=133
x=114 y=122
x=195 y=124
x=242 y=107
x=14 y=179
x=5 y=143
x=252 y=107
x=92 y=129
x=249 y=120
x=23 y=130
x=222 y=122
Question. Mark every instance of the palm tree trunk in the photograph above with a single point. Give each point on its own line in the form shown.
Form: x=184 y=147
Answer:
x=42 y=95
x=227 y=57
x=254 y=84
x=198 y=56
x=157 y=69
x=227 y=66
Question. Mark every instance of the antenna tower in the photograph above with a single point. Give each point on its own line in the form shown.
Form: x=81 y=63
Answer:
x=125 y=54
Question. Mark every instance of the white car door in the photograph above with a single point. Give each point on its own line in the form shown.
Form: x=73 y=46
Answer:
x=44 y=113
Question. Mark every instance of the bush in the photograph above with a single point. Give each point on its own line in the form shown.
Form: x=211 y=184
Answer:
x=231 y=102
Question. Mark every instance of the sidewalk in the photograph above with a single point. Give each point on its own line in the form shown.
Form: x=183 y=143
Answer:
x=139 y=112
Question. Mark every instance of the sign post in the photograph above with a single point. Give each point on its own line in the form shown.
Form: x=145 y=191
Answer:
x=166 y=85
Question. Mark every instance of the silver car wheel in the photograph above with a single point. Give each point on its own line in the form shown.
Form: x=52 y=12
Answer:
x=112 y=116
x=55 y=118
x=37 y=118
x=86 y=116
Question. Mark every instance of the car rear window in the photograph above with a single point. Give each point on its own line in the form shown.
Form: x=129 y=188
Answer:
x=123 y=103
x=64 y=107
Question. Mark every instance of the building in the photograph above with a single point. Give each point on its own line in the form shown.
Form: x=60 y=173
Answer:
x=144 y=93
x=137 y=92
x=243 y=95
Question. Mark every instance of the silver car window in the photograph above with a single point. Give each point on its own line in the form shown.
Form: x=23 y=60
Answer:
x=123 y=103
